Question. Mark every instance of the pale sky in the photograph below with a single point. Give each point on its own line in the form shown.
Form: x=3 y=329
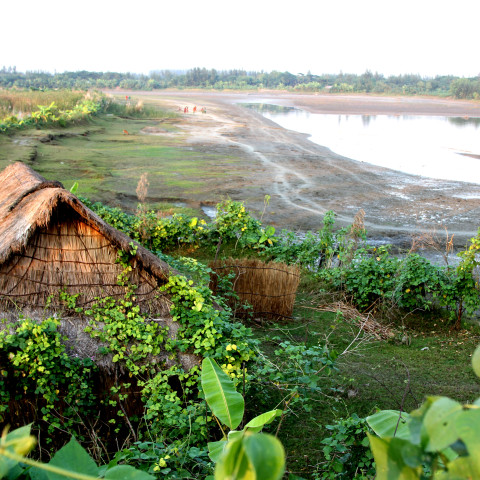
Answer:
x=427 y=37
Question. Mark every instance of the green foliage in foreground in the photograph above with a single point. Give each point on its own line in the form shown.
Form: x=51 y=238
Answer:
x=34 y=360
x=346 y=451
x=172 y=432
x=440 y=440
x=241 y=454
x=71 y=461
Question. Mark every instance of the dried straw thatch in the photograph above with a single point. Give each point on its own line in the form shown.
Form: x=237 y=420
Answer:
x=50 y=241
x=366 y=322
x=269 y=287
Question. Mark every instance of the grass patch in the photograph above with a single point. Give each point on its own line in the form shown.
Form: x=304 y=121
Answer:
x=379 y=375
x=107 y=162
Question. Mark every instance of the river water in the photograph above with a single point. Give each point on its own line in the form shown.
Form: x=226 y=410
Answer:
x=436 y=147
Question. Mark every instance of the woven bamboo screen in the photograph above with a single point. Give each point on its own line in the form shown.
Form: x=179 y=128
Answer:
x=269 y=287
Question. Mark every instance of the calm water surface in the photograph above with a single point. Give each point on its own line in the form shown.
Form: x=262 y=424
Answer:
x=437 y=147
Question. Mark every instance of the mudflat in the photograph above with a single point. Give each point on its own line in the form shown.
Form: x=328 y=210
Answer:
x=304 y=180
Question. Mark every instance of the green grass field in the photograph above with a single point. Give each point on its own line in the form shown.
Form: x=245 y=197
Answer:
x=108 y=163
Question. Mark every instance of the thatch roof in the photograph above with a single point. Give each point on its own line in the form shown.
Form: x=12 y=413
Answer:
x=27 y=202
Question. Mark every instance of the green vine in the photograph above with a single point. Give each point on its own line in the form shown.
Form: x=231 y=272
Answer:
x=35 y=363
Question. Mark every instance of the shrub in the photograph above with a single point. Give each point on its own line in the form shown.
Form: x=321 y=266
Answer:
x=347 y=453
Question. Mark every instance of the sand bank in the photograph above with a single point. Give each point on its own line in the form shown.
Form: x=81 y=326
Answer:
x=305 y=180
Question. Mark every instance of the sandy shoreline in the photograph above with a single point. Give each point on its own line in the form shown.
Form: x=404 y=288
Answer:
x=305 y=180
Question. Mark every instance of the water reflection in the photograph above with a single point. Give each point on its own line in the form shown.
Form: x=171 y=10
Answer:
x=268 y=107
x=464 y=121
x=437 y=147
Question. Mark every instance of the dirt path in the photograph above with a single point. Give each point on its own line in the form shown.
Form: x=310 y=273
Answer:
x=305 y=179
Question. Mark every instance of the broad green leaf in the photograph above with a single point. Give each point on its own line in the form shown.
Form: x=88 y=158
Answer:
x=257 y=423
x=127 y=472
x=74 y=187
x=215 y=449
x=416 y=423
x=73 y=457
x=439 y=423
x=467 y=427
x=226 y=403
x=411 y=454
x=19 y=433
x=255 y=456
x=461 y=468
x=37 y=474
x=266 y=455
x=234 y=464
x=16 y=472
x=385 y=422
x=389 y=459
x=476 y=361
x=235 y=435
x=21 y=443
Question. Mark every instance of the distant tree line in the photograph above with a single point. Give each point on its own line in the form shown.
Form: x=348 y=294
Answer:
x=368 y=82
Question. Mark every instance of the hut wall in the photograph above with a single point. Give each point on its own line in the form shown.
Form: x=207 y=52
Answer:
x=71 y=255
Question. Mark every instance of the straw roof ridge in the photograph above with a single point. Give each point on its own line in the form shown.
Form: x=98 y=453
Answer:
x=27 y=203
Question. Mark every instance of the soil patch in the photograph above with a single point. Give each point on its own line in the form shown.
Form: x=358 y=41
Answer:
x=305 y=180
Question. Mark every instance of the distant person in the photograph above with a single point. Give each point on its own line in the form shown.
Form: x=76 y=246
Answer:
x=194 y=109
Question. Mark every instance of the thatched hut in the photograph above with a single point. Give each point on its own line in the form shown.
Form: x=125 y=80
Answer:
x=49 y=240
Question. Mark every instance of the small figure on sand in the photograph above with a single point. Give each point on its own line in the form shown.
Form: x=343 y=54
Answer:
x=194 y=109
x=204 y=110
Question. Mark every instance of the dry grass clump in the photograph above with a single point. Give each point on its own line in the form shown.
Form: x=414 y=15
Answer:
x=142 y=188
x=270 y=288
x=433 y=241
x=17 y=102
x=365 y=321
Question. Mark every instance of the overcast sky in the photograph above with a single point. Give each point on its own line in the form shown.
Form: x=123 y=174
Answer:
x=427 y=37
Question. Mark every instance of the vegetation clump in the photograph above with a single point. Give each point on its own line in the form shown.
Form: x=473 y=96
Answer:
x=290 y=371
x=367 y=82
